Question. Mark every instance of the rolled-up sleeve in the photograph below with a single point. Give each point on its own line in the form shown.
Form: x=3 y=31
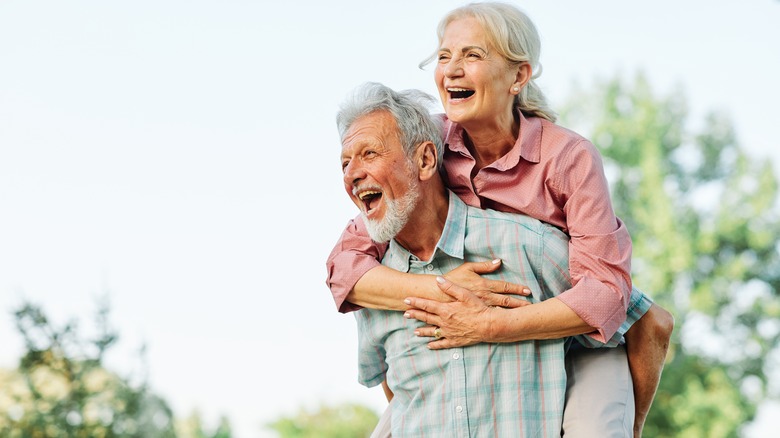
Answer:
x=354 y=255
x=600 y=245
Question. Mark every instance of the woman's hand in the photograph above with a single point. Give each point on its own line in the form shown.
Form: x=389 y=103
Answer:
x=491 y=292
x=465 y=321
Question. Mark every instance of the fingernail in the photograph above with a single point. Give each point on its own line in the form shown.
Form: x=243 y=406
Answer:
x=407 y=315
x=496 y=261
x=440 y=279
x=407 y=301
x=527 y=291
x=417 y=333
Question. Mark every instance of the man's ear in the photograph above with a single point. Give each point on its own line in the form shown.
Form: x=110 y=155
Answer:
x=427 y=160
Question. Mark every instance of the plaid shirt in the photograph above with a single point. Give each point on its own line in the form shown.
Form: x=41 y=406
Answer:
x=484 y=390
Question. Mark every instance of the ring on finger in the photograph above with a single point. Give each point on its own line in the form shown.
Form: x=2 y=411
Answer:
x=437 y=332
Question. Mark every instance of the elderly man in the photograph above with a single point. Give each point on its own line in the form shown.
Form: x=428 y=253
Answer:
x=390 y=158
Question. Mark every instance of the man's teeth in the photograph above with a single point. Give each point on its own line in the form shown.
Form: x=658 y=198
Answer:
x=456 y=89
x=363 y=195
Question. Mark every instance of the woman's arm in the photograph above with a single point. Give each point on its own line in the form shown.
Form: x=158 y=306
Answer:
x=357 y=279
x=353 y=255
x=385 y=288
x=467 y=320
x=600 y=246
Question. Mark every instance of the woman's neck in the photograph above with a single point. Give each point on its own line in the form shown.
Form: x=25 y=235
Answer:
x=489 y=142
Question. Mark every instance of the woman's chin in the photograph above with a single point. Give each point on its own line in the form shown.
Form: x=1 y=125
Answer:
x=456 y=115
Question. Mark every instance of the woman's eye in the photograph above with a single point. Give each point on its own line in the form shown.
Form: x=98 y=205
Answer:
x=443 y=57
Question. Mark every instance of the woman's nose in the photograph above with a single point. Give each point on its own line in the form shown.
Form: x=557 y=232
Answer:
x=453 y=68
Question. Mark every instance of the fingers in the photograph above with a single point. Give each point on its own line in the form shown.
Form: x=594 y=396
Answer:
x=439 y=343
x=442 y=343
x=428 y=306
x=503 y=287
x=485 y=267
x=423 y=316
x=507 y=301
x=497 y=286
x=454 y=291
x=427 y=331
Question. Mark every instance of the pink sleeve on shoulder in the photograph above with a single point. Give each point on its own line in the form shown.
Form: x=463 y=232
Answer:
x=354 y=255
x=600 y=246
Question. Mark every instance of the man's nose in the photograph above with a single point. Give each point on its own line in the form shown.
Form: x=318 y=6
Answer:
x=353 y=173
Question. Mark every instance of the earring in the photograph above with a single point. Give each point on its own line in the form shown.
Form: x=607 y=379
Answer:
x=515 y=89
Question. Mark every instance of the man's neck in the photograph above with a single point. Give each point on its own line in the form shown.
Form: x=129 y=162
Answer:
x=423 y=230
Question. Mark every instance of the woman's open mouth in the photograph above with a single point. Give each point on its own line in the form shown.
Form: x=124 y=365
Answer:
x=460 y=93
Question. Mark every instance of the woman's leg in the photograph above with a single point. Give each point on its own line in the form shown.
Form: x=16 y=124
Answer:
x=599 y=394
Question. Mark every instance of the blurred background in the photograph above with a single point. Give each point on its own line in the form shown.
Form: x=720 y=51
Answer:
x=170 y=189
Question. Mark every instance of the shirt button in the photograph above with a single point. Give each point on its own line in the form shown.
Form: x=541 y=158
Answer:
x=429 y=267
x=455 y=356
x=459 y=409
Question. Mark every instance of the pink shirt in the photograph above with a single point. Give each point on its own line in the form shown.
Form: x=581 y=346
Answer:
x=551 y=174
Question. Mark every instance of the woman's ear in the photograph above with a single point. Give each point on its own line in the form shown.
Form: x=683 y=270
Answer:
x=523 y=75
x=427 y=160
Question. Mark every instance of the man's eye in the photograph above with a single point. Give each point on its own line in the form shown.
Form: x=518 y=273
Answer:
x=443 y=57
x=344 y=165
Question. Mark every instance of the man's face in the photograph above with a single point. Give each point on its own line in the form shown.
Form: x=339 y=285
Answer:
x=378 y=176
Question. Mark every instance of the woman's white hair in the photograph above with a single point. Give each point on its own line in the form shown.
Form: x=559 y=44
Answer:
x=514 y=36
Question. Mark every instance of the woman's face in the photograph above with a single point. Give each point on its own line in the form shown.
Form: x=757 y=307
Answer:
x=475 y=82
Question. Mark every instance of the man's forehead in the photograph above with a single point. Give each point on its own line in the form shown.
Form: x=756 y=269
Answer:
x=380 y=119
x=378 y=127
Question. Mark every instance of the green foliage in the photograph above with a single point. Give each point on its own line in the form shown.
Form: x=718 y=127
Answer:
x=192 y=427
x=705 y=225
x=343 y=421
x=61 y=388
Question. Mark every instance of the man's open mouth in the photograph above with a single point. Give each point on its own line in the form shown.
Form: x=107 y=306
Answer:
x=460 y=93
x=370 y=199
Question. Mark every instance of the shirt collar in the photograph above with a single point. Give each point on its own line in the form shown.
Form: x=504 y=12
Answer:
x=451 y=241
x=528 y=145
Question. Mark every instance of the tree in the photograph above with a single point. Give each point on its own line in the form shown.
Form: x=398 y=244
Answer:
x=61 y=388
x=342 y=421
x=192 y=427
x=704 y=221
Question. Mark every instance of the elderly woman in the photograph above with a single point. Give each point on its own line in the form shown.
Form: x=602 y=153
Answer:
x=504 y=152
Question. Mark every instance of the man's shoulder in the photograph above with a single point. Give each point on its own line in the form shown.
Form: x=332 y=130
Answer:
x=477 y=216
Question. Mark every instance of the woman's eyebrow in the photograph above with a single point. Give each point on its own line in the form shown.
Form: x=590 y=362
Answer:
x=467 y=48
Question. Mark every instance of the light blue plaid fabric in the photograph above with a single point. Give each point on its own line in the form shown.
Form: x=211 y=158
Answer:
x=482 y=390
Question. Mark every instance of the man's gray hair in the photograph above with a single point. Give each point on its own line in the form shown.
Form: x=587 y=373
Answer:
x=409 y=108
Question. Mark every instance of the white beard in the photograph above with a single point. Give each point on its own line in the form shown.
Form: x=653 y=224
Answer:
x=397 y=215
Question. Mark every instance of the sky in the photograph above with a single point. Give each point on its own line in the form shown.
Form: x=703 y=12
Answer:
x=181 y=158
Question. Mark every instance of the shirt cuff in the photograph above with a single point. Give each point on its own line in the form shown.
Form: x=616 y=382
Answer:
x=597 y=305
